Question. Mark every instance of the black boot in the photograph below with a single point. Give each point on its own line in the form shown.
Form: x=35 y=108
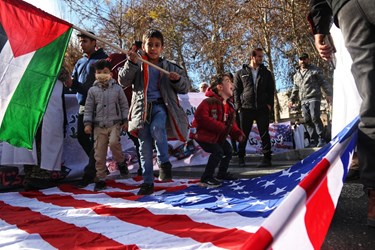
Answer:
x=39 y=179
x=266 y=161
x=165 y=171
x=123 y=167
x=139 y=171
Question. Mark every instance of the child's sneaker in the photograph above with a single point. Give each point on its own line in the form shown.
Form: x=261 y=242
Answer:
x=100 y=185
x=146 y=189
x=210 y=182
x=123 y=167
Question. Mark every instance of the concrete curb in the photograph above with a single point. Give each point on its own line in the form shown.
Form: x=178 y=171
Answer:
x=280 y=161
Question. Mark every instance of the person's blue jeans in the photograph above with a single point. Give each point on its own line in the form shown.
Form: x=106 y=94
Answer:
x=154 y=130
x=357 y=22
x=311 y=114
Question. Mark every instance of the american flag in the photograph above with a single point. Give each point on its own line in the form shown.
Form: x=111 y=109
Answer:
x=290 y=209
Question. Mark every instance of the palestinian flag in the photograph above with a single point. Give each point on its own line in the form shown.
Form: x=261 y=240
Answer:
x=32 y=48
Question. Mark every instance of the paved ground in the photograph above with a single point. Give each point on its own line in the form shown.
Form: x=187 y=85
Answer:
x=348 y=229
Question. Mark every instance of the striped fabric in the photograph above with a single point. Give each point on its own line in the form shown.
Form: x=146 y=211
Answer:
x=290 y=209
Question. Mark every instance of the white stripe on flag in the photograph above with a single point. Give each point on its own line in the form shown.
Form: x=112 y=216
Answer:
x=202 y=215
x=11 y=72
x=293 y=235
x=335 y=175
x=143 y=237
x=19 y=238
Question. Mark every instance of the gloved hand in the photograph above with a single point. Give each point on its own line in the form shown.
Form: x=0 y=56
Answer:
x=88 y=129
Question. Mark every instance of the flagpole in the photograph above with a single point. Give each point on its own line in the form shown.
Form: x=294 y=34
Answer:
x=118 y=48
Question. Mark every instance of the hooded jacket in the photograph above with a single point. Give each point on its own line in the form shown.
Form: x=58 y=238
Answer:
x=84 y=74
x=252 y=93
x=214 y=121
x=106 y=107
x=307 y=85
x=136 y=75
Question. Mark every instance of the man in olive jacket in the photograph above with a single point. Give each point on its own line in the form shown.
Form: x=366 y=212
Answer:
x=308 y=83
x=254 y=89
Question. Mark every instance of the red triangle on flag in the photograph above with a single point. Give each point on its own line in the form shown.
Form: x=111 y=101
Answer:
x=29 y=28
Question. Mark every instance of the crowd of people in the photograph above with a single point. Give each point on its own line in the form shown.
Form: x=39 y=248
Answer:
x=125 y=92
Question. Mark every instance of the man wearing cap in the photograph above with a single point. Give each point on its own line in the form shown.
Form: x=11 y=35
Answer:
x=308 y=82
x=83 y=77
x=203 y=87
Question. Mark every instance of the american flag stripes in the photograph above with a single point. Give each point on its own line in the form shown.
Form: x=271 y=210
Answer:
x=291 y=209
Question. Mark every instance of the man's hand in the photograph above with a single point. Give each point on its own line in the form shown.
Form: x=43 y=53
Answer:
x=68 y=82
x=173 y=76
x=329 y=99
x=290 y=105
x=88 y=129
x=133 y=56
x=324 y=46
x=241 y=138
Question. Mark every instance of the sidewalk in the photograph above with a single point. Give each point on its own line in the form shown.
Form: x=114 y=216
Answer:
x=280 y=161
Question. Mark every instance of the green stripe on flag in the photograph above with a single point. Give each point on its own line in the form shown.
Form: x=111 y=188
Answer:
x=29 y=102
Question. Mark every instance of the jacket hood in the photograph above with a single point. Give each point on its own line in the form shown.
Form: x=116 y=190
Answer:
x=211 y=93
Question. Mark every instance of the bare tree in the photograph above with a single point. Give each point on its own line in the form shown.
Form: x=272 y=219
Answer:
x=208 y=37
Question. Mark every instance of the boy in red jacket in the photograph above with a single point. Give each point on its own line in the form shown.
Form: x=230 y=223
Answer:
x=214 y=120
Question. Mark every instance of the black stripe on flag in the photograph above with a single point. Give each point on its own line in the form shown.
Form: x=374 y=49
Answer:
x=3 y=37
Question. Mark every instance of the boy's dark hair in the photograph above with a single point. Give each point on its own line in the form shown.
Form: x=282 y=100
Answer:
x=101 y=64
x=218 y=79
x=153 y=33
x=83 y=35
x=254 y=51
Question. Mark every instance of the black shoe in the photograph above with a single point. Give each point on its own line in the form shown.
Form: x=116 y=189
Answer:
x=100 y=185
x=123 y=167
x=266 y=162
x=165 y=171
x=210 y=182
x=226 y=177
x=146 y=189
x=139 y=171
x=36 y=184
x=241 y=162
x=312 y=144
x=321 y=143
x=84 y=182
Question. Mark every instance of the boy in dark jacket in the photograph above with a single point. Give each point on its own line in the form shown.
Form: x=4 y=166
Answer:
x=214 y=120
